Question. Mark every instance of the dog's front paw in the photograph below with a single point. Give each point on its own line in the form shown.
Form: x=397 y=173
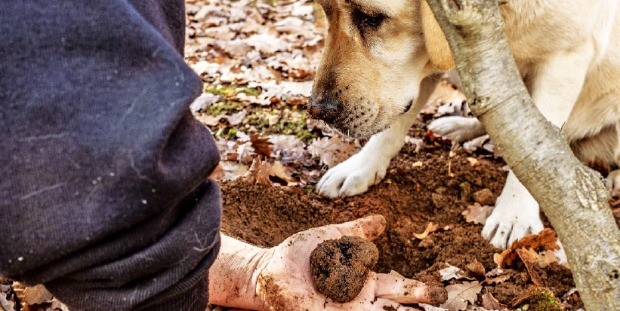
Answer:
x=515 y=216
x=457 y=129
x=353 y=176
x=511 y=220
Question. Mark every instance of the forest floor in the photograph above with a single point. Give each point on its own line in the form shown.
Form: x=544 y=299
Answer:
x=258 y=59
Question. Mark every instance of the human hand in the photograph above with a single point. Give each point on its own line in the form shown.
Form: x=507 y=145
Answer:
x=283 y=280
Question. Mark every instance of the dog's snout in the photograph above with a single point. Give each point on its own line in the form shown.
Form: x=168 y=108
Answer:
x=327 y=109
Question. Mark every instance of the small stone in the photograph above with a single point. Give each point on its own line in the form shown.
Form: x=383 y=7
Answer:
x=484 y=197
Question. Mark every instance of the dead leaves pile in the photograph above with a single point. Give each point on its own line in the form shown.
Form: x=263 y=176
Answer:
x=470 y=287
x=273 y=47
x=282 y=160
x=16 y=297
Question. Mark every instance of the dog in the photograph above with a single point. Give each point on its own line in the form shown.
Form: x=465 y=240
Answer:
x=381 y=62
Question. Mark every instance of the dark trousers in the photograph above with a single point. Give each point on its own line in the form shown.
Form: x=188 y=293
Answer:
x=104 y=195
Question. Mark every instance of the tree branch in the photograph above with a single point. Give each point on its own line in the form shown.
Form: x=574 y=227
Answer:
x=572 y=196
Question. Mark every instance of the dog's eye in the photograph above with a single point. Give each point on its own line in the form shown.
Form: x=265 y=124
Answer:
x=364 y=20
x=373 y=21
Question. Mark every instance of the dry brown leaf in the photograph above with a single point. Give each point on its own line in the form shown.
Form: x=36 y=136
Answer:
x=528 y=257
x=289 y=149
x=208 y=119
x=261 y=145
x=546 y=240
x=461 y=295
x=259 y=172
x=491 y=303
x=331 y=151
x=280 y=171
x=36 y=295
x=477 y=213
x=430 y=227
x=476 y=269
x=231 y=171
x=498 y=276
x=543 y=241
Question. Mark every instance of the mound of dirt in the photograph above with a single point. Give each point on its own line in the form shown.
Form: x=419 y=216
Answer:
x=434 y=184
x=340 y=267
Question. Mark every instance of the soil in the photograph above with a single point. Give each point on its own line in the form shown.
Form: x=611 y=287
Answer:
x=435 y=184
x=339 y=267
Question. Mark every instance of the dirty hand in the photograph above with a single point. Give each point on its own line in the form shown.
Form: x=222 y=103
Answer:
x=284 y=281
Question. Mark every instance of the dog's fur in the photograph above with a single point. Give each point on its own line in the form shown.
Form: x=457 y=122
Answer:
x=378 y=54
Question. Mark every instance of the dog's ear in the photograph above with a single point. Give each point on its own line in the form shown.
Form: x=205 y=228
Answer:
x=436 y=44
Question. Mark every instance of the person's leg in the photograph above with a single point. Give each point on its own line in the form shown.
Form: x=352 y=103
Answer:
x=103 y=189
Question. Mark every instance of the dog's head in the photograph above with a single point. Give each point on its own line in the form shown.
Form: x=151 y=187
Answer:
x=376 y=54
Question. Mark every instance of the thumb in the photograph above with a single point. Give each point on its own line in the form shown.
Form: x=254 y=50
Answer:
x=368 y=228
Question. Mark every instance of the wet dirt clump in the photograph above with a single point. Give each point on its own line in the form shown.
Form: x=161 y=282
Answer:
x=340 y=267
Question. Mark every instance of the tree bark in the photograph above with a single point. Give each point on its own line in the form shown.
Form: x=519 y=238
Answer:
x=572 y=196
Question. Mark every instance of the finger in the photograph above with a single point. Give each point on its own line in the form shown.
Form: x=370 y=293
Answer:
x=386 y=304
x=397 y=288
x=368 y=228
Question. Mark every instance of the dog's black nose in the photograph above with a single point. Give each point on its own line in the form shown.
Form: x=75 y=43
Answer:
x=327 y=109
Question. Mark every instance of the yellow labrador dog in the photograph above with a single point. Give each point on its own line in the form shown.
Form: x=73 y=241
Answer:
x=378 y=52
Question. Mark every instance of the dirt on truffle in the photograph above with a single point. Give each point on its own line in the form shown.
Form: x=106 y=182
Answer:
x=339 y=267
x=431 y=185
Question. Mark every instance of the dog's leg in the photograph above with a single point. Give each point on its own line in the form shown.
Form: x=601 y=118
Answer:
x=555 y=90
x=369 y=166
x=457 y=129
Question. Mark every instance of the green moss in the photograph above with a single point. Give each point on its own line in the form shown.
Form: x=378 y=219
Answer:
x=231 y=90
x=541 y=299
x=465 y=190
x=223 y=108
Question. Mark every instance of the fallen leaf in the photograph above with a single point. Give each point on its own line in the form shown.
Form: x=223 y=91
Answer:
x=36 y=295
x=261 y=145
x=232 y=170
x=331 y=151
x=259 y=172
x=452 y=273
x=528 y=257
x=477 y=213
x=431 y=308
x=280 y=171
x=289 y=149
x=236 y=118
x=461 y=295
x=545 y=240
x=491 y=303
x=499 y=276
x=430 y=227
x=5 y=304
x=482 y=142
x=476 y=269
x=203 y=102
